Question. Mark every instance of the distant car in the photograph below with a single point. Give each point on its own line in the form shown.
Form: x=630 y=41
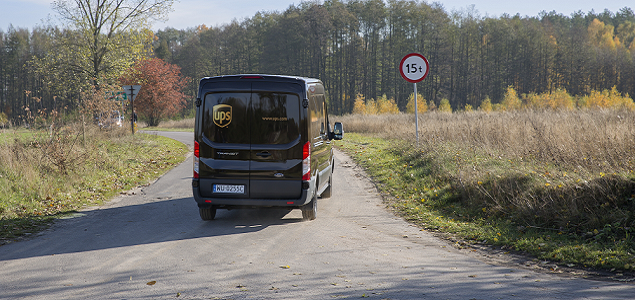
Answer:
x=110 y=119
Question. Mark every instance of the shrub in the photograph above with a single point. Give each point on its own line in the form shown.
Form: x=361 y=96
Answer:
x=3 y=119
x=486 y=105
x=511 y=100
x=386 y=106
x=360 y=105
x=606 y=99
x=445 y=106
x=422 y=106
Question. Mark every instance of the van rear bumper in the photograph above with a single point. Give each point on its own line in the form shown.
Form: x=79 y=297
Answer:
x=206 y=202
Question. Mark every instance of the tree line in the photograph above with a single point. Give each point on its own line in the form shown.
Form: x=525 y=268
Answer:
x=355 y=47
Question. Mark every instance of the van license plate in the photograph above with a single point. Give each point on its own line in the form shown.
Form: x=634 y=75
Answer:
x=229 y=188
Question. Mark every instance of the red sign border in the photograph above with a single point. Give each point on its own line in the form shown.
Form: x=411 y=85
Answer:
x=404 y=75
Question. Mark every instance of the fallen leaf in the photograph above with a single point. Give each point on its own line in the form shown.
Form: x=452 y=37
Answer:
x=153 y=282
x=285 y=267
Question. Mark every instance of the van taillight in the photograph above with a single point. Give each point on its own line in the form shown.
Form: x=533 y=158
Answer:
x=196 y=159
x=306 y=162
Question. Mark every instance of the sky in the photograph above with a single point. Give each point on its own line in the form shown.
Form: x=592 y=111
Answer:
x=191 y=13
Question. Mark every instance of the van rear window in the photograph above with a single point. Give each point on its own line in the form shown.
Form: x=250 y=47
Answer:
x=225 y=118
x=251 y=118
x=276 y=118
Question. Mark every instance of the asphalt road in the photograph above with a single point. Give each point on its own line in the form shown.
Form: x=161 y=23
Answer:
x=152 y=245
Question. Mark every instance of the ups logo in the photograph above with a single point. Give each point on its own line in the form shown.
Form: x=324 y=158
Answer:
x=222 y=114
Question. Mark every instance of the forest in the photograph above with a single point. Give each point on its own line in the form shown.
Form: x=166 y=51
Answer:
x=354 y=47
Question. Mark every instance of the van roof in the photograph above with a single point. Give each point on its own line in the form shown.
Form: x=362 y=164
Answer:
x=265 y=77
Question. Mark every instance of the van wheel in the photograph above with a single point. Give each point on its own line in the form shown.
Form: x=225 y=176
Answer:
x=309 y=211
x=327 y=191
x=207 y=214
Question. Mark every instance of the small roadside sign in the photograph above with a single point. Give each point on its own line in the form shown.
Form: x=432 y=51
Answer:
x=132 y=90
x=116 y=96
x=414 y=67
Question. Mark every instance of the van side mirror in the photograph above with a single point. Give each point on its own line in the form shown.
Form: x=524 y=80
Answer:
x=338 y=131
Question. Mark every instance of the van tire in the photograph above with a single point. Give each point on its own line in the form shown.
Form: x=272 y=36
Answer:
x=309 y=211
x=327 y=191
x=207 y=214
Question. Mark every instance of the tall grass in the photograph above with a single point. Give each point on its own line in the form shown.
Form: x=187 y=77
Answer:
x=589 y=140
x=47 y=172
x=568 y=170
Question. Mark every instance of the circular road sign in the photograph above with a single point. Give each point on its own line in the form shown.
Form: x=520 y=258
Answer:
x=414 y=67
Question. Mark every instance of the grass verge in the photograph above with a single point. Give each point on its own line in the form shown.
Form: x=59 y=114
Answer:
x=39 y=183
x=578 y=219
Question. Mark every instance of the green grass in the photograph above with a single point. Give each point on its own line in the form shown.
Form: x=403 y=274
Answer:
x=32 y=192
x=474 y=195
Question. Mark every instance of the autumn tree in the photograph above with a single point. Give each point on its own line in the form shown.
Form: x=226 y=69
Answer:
x=161 y=93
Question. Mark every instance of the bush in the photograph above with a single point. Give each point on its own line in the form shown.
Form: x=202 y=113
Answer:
x=422 y=105
x=486 y=105
x=372 y=107
x=606 y=99
x=445 y=106
x=511 y=100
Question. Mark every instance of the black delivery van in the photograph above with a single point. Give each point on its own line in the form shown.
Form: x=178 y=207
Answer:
x=262 y=141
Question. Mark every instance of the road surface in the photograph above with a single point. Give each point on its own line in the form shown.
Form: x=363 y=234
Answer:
x=152 y=244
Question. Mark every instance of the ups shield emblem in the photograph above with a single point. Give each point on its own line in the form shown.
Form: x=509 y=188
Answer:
x=222 y=114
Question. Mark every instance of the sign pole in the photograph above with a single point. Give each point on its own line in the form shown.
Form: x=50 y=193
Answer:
x=414 y=67
x=416 y=114
x=132 y=108
x=132 y=91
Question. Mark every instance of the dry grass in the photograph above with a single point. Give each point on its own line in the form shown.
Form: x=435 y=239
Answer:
x=566 y=170
x=592 y=139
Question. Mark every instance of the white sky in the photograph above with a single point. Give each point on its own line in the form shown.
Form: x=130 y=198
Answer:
x=191 y=13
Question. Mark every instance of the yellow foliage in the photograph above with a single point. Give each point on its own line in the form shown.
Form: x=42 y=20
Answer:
x=606 y=99
x=422 y=105
x=386 y=106
x=626 y=34
x=445 y=106
x=3 y=119
x=360 y=106
x=511 y=100
x=559 y=99
x=601 y=35
x=486 y=105
x=469 y=108
x=372 y=107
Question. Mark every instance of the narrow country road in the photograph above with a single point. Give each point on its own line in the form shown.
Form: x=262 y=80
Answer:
x=153 y=245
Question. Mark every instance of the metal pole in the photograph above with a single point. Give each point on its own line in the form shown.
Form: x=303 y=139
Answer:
x=132 y=109
x=416 y=115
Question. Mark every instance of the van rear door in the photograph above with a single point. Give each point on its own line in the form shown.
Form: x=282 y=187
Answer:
x=251 y=140
x=225 y=144
x=276 y=150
